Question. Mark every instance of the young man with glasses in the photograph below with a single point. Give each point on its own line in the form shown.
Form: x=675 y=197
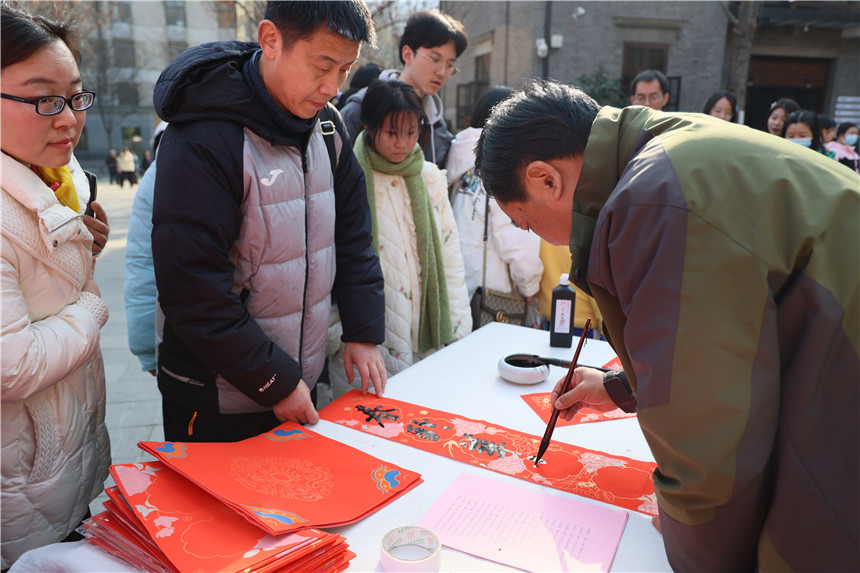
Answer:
x=429 y=48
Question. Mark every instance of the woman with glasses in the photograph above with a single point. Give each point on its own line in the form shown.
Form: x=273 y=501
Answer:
x=429 y=48
x=55 y=447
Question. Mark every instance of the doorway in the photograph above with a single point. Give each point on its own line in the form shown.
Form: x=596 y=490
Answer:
x=771 y=78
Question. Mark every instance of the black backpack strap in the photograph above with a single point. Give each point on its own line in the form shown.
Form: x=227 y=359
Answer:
x=91 y=179
x=327 y=126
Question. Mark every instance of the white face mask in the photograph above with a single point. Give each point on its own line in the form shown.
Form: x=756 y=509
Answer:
x=851 y=140
x=804 y=141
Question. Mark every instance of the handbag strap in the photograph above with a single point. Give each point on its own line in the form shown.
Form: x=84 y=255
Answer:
x=486 y=218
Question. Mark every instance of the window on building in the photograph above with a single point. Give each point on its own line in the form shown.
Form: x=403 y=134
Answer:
x=123 y=53
x=674 y=93
x=122 y=12
x=226 y=14
x=641 y=57
x=127 y=94
x=174 y=13
x=468 y=94
x=482 y=69
x=174 y=49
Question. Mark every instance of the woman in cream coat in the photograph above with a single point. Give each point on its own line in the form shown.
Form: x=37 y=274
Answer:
x=55 y=448
x=426 y=303
x=513 y=264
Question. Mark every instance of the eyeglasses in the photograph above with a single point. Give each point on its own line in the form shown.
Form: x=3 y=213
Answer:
x=651 y=98
x=52 y=105
x=436 y=64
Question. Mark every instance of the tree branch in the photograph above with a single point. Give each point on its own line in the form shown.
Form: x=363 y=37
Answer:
x=732 y=19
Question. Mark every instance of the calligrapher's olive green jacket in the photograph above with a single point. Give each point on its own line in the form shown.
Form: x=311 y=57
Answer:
x=726 y=263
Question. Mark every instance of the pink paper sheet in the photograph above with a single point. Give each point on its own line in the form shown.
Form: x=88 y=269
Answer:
x=523 y=528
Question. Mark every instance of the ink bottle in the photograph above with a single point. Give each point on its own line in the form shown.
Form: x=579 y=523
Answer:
x=561 y=320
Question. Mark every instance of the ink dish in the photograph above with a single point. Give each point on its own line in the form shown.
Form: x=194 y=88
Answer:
x=523 y=369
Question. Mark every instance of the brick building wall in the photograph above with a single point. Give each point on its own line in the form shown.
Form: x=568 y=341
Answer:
x=694 y=34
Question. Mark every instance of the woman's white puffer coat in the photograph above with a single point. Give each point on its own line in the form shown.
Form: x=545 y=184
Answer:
x=55 y=447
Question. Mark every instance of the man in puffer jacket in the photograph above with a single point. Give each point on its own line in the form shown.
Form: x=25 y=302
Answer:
x=256 y=220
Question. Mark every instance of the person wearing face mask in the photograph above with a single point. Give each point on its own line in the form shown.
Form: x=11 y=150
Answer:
x=55 y=445
x=779 y=110
x=802 y=127
x=429 y=48
x=414 y=232
x=844 y=147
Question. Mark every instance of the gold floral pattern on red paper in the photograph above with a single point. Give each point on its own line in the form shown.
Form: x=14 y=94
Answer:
x=288 y=478
x=618 y=480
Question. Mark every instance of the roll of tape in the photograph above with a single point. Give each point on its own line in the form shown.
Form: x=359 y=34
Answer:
x=415 y=536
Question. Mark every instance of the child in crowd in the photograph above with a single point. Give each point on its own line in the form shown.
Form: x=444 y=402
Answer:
x=844 y=147
x=802 y=127
x=414 y=232
x=779 y=110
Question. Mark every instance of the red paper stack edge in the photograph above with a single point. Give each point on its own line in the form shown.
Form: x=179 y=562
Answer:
x=288 y=479
x=156 y=520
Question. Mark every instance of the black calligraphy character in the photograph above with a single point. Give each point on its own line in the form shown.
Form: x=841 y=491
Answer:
x=423 y=433
x=377 y=414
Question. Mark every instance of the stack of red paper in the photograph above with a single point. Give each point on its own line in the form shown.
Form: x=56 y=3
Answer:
x=250 y=505
x=157 y=521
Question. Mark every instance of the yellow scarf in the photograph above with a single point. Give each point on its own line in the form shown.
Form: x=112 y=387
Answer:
x=60 y=181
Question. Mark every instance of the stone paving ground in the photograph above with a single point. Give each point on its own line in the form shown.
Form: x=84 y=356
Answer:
x=133 y=411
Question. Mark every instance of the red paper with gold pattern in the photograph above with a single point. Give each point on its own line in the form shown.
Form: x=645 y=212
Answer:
x=289 y=478
x=621 y=481
x=542 y=406
x=196 y=532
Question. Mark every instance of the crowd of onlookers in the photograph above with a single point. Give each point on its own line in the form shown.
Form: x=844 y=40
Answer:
x=367 y=259
x=127 y=166
x=786 y=119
